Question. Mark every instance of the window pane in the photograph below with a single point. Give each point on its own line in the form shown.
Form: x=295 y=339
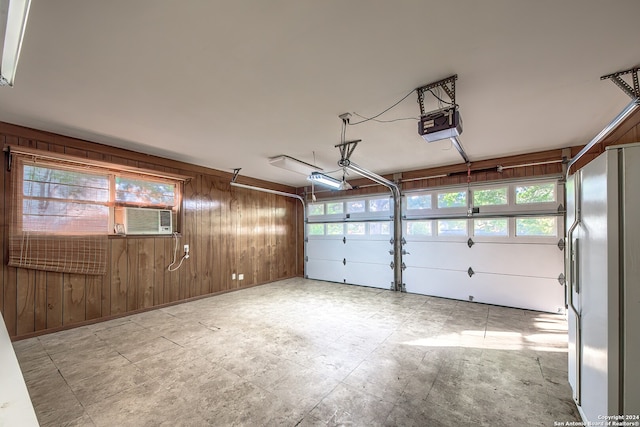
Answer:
x=379 y=205
x=64 y=184
x=335 y=208
x=144 y=192
x=452 y=200
x=355 y=206
x=335 y=229
x=452 y=227
x=489 y=197
x=491 y=227
x=419 y=228
x=379 y=228
x=419 y=202
x=537 y=226
x=64 y=217
x=316 y=209
x=356 y=228
x=536 y=193
x=315 y=229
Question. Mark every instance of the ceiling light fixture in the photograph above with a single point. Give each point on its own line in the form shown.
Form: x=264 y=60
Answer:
x=13 y=21
x=293 y=165
x=329 y=181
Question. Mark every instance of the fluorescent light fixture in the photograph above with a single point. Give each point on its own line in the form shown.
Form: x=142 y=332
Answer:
x=293 y=165
x=13 y=21
x=328 y=181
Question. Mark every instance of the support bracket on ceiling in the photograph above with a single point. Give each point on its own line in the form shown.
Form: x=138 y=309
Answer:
x=632 y=92
x=448 y=85
x=236 y=171
x=346 y=150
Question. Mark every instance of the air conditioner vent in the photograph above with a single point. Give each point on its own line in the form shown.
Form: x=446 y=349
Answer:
x=147 y=221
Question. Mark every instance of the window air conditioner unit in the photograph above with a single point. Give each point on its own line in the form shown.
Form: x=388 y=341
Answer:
x=147 y=221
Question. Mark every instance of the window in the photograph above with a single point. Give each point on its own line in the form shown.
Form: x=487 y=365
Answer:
x=491 y=227
x=356 y=229
x=452 y=227
x=543 y=226
x=419 y=202
x=355 y=206
x=335 y=208
x=335 y=229
x=379 y=205
x=419 y=228
x=379 y=228
x=63 y=201
x=65 y=208
x=536 y=193
x=452 y=200
x=315 y=229
x=490 y=197
x=316 y=209
x=145 y=192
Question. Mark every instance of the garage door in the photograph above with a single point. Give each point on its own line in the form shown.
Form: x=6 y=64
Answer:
x=349 y=242
x=493 y=244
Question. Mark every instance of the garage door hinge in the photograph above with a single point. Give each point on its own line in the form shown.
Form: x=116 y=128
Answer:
x=306 y=259
x=344 y=261
x=403 y=241
x=405 y=252
x=306 y=239
x=561 y=279
x=344 y=240
x=391 y=252
x=470 y=272
x=470 y=242
x=392 y=265
x=391 y=241
x=561 y=244
x=404 y=267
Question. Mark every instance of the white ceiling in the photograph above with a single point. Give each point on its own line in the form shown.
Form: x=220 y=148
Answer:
x=228 y=84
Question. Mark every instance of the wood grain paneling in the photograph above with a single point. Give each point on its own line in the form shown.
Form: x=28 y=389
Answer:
x=55 y=288
x=228 y=232
x=93 y=295
x=119 y=275
x=74 y=299
x=132 y=274
x=26 y=301
x=146 y=270
x=40 y=312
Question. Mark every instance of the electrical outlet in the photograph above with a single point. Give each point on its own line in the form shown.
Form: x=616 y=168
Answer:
x=186 y=249
x=233 y=276
x=240 y=276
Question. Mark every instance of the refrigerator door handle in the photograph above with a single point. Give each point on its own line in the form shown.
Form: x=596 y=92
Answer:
x=575 y=263
x=573 y=283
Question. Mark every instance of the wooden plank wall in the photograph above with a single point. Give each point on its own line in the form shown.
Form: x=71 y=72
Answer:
x=229 y=230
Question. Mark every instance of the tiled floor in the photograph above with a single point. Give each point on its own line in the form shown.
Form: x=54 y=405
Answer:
x=305 y=353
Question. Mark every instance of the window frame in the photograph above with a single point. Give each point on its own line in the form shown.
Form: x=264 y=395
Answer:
x=57 y=161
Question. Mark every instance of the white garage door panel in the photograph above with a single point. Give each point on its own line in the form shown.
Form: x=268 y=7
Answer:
x=536 y=260
x=437 y=283
x=367 y=274
x=531 y=293
x=332 y=271
x=375 y=251
x=326 y=249
x=441 y=255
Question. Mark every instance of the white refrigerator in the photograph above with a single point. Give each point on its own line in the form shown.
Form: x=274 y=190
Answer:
x=603 y=286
